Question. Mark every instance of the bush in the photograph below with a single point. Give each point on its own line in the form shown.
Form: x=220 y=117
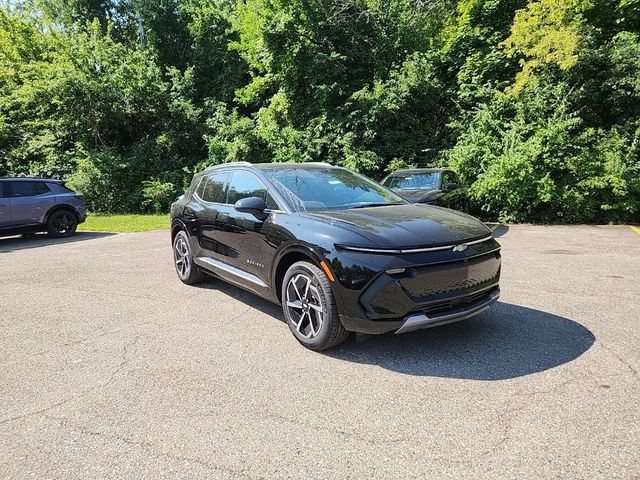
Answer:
x=157 y=196
x=527 y=158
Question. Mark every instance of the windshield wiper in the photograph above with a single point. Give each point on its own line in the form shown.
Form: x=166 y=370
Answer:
x=367 y=205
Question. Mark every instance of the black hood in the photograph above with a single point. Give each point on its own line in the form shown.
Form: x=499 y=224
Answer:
x=416 y=196
x=407 y=225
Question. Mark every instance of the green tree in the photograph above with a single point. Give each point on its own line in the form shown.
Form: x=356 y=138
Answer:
x=535 y=102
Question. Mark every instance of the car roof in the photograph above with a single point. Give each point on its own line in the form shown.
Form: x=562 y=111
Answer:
x=421 y=170
x=302 y=166
x=271 y=166
x=30 y=179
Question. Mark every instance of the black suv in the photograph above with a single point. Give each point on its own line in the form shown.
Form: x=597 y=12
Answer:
x=340 y=252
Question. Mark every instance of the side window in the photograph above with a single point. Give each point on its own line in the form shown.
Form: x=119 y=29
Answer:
x=201 y=185
x=40 y=188
x=21 y=189
x=243 y=185
x=214 y=190
x=271 y=203
x=3 y=190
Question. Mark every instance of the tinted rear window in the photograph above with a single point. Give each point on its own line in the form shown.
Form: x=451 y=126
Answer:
x=26 y=189
x=65 y=188
x=40 y=187
x=201 y=185
x=212 y=188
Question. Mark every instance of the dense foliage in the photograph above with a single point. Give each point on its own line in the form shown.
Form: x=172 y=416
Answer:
x=535 y=102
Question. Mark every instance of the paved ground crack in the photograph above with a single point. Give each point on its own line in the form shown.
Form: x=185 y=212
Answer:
x=150 y=448
x=124 y=360
x=508 y=416
x=633 y=371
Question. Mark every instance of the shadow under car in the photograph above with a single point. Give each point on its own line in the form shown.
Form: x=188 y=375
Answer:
x=8 y=244
x=507 y=341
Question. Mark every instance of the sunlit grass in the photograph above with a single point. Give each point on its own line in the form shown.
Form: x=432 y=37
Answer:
x=106 y=222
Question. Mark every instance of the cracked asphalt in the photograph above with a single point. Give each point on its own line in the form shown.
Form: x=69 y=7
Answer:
x=111 y=368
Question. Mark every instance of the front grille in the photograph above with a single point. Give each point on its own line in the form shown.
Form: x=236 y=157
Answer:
x=432 y=289
x=448 y=305
x=430 y=280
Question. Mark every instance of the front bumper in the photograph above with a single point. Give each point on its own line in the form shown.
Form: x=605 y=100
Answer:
x=423 y=295
x=417 y=321
x=421 y=320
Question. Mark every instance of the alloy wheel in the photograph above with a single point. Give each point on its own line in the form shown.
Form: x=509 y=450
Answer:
x=63 y=223
x=305 y=305
x=182 y=257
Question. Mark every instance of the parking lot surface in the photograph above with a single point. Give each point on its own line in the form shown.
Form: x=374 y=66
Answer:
x=110 y=367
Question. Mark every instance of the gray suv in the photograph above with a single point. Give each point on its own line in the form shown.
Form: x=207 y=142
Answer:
x=30 y=205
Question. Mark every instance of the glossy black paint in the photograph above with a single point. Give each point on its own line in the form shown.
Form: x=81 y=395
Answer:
x=253 y=205
x=449 y=194
x=369 y=300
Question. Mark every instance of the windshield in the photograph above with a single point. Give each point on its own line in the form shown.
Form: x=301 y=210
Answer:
x=331 y=188
x=413 y=181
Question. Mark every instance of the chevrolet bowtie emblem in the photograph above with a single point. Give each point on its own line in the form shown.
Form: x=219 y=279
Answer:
x=460 y=248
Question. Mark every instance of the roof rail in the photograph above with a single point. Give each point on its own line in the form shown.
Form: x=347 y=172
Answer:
x=323 y=164
x=30 y=179
x=219 y=165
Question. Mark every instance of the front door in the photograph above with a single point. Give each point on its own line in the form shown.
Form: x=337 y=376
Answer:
x=242 y=237
x=203 y=215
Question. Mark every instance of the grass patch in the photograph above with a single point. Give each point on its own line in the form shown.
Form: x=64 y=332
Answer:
x=106 y=222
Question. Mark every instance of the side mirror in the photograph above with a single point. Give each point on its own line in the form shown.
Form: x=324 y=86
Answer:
x=253 y=205
x=451 y=186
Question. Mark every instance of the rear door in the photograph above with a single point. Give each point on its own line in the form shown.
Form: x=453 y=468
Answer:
x=5 y=207
x=30 y=201
x=202 y=213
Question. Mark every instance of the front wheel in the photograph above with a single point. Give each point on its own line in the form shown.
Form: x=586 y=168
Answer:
x=310 y=309
x=62 y=223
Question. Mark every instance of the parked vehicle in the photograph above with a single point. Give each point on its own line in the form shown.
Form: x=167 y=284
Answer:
x=435 y=186
x=31 y=205
x=340 y=252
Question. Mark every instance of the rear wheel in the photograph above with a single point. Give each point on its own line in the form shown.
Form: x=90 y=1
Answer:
x=187 y=271
x=62 y=223
x=310 y=309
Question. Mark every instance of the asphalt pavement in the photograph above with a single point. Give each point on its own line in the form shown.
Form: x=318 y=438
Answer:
x=111 y=368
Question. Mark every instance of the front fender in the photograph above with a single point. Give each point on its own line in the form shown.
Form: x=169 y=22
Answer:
x=317 y=253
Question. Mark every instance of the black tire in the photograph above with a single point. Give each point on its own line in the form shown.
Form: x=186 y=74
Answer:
x=62 y=224
x=311 y=330
x=188 y=272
